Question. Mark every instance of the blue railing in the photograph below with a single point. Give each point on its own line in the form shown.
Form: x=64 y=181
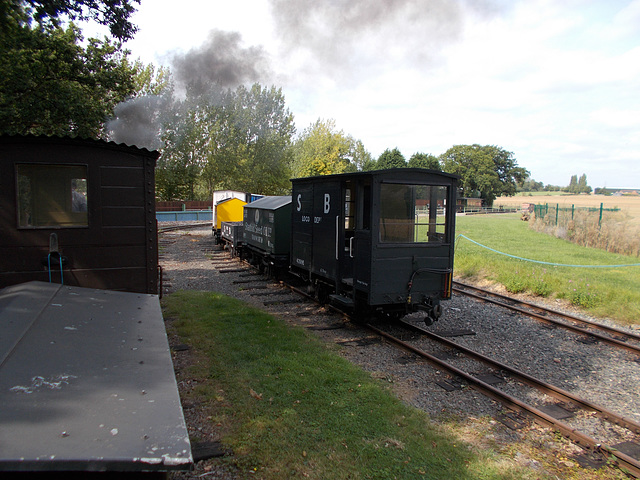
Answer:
x=185 y=216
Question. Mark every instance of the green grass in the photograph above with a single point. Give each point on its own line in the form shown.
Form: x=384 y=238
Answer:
x=292 y=408
x=608 y=292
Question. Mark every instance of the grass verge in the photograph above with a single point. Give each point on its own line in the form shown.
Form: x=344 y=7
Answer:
x=607 y=292
x=292 y=408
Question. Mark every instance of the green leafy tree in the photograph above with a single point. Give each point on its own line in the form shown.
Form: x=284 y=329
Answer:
x=111 y=13
x=424 y=160
x=50 y=84
x=530 y=185
x=264 y=130
x=151 y=81
x=321 y=150
x=180 y=163
x=391 y=159
x=486 y=171
x=362 y=158
x=223 y=139
x=582 y=184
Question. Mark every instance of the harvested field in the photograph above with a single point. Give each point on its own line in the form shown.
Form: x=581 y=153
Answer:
x=628 y=204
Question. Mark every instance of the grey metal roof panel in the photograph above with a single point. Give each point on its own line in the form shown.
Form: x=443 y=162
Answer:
x=270 y=203
x=87 y=382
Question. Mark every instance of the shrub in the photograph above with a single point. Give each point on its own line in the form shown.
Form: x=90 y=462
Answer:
x=615 y=233
x=582 y=295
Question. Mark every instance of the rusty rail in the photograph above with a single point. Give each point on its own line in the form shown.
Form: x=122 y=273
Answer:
x=604 y=338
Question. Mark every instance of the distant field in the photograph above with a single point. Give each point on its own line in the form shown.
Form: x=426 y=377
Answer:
x=628 y=204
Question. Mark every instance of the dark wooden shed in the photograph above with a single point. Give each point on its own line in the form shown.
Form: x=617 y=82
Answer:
x=79 y=212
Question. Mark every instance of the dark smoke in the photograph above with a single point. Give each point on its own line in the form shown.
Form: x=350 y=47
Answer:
x=220 y=61
x=139 y=121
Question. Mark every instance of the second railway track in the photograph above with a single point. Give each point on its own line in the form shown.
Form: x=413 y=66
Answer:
x=614 y=336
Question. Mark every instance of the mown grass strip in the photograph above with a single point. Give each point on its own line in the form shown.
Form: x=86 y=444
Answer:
x=608 y=292
x=295 y=409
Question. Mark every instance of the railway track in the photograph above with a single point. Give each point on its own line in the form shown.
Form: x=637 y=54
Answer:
x=181 y=226
x=613 y=336
x=544 y=412
x=539 y=414
x=603 y=450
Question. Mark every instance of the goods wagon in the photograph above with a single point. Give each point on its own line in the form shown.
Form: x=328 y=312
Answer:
x=231 y=237
x=226 y=210
x=267 y=232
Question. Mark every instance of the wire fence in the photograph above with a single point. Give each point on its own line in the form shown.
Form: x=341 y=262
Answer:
x=563 y=214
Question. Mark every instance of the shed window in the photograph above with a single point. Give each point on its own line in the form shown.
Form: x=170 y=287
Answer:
x=52 y=195
x=413 y=213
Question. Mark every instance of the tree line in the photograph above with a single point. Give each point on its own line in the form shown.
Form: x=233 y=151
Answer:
x=576 y=186
x=211 y=137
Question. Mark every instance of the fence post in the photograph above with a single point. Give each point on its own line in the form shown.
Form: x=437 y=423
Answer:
x=600 y=220
x=573 y=209
x=557 y=210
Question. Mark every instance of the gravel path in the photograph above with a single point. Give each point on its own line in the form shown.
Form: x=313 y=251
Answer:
x=596 y=372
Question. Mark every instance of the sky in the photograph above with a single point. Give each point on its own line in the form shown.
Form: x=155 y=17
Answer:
x=556 y=82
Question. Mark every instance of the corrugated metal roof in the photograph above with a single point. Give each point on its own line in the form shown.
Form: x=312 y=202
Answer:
x=93 y=142
x=270 y=203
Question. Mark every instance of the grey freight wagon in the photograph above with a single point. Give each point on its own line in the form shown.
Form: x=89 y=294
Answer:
x=267 y=232
x=231 y=236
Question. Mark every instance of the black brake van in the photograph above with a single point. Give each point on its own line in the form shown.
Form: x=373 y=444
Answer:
x=378 y=242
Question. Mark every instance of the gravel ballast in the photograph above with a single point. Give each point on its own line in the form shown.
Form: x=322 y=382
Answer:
x=597 y=372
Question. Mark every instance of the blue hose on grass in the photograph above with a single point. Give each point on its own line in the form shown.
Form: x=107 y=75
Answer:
x=545 y=263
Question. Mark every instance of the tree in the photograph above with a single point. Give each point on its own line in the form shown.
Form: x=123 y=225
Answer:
x=149 y=81
x=223 y=139
x=486 y=171
x=111 y=13
x=582 y=184
x=49 y=84
x=530 y=185
x=321 y=150
x=265 y=129
x=362 y=158
x=391 y=159
x=423 y=160
x=182 y=158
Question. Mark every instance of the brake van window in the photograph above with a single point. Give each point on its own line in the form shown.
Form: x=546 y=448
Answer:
x=413 y=213
x=52 y=195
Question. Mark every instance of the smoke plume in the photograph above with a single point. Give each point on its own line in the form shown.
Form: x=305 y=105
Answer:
x=221 y=61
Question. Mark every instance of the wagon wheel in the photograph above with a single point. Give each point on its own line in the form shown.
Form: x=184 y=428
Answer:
x=322 y=294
